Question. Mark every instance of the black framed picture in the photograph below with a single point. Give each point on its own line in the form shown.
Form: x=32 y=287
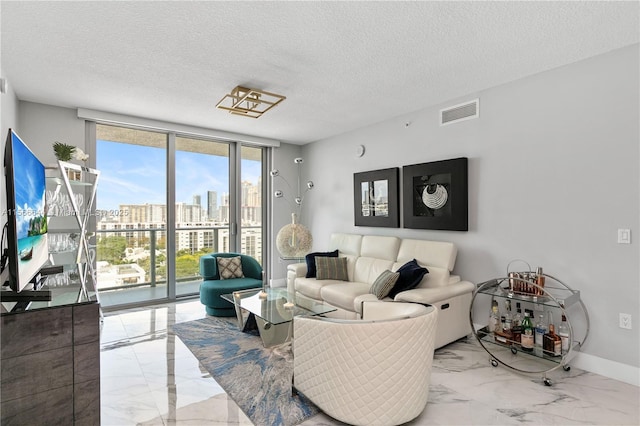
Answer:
x=435 y=195
x=375 y=198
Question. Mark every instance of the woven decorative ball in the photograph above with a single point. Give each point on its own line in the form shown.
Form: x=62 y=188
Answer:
x=294 y=239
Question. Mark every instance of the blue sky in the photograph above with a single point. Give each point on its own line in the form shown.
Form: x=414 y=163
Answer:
x=135 y=174
x=30 y=185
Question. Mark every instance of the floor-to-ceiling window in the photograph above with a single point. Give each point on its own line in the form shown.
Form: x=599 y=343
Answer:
x=163 y=201
x=131 y=205
x=251 y=211
x=202 y=206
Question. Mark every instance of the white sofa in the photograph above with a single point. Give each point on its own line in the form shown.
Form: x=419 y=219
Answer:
x=367 y=257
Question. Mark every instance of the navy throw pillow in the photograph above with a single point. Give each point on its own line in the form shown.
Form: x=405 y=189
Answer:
x=311 y=261
x=410 y=276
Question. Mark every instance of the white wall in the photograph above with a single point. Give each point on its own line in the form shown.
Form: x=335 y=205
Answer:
x=281 y=208
x=553 y=173
x=42 y=125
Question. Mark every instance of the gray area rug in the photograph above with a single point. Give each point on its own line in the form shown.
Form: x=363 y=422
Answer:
x=256 y=378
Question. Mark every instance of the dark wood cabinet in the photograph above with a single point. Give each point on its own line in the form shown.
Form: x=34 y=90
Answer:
x=50 y=366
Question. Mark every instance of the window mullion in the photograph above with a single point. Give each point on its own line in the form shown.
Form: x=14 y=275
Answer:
x=171 y=216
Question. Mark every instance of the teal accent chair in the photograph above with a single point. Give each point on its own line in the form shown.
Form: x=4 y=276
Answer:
x=212 y=287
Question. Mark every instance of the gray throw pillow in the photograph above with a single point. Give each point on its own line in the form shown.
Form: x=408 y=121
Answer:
x=230 y=267
x=331 y=268
x=383 y=284
x=310 y=259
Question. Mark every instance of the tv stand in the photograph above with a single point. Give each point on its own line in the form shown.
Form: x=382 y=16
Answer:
x=50 y=360
x=24 y=299
x=4 y=277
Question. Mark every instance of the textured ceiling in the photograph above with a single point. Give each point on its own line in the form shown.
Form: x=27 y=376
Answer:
x=341 y=65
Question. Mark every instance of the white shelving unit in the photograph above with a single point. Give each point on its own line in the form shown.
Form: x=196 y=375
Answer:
x=71 y=195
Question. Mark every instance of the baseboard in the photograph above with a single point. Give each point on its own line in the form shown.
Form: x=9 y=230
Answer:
x=605 y=367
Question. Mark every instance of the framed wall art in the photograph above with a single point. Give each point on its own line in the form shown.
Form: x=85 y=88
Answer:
x=375 y=198
x=435 y=195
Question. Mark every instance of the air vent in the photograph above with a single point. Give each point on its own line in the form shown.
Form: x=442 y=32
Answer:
x=465 y=111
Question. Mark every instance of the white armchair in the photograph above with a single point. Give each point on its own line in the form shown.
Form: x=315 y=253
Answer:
x=374 y=371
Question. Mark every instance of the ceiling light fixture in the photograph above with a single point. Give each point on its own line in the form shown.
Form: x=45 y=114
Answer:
x=249 y=102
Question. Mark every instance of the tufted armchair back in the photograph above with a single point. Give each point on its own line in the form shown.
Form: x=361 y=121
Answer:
x=209 y=266
x=367 y=372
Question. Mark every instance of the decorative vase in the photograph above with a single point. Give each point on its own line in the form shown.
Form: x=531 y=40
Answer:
x=294 y=239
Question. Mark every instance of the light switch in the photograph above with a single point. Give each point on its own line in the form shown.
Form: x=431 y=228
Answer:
x=624 y=236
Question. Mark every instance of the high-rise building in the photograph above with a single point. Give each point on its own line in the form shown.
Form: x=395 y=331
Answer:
x=147 y=213
x=212 y=206
x=197 y=200
x=224 y=208
x=188 y=213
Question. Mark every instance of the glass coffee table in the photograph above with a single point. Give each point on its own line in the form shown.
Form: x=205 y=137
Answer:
x=271 y=313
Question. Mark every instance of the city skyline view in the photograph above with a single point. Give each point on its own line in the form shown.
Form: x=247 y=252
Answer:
x=136 y=174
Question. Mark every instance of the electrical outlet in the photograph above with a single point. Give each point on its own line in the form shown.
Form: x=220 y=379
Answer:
x=625 y=321
x=624 y=236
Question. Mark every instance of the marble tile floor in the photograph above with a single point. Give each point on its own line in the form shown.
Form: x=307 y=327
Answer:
x=148 y=377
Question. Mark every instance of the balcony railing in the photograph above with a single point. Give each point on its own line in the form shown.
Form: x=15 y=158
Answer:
x=143 y=253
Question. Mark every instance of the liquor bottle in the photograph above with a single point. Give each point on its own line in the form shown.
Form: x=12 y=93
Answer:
x=516 y=324
x=552 y=342
x=517 y=319
x=526 y=339
x=504 y=335
x=539 y=332
x=563 y=332
x=494 y=318
x=508 y=317
x=539 y=281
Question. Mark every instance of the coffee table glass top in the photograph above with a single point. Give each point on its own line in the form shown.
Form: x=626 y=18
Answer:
x=272 y=307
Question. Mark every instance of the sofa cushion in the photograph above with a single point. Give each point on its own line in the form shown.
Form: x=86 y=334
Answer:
x=312 y=287
x=311 y=261
x=380 y=247
x=342 y=294
x=434 y=296
x=347 y=244
x=367 y=269
x=358 y=300
x=331 y=268
x=230 y=267
x=430 y=253
x=411 y=275
x=384 y=283
x=437 y=277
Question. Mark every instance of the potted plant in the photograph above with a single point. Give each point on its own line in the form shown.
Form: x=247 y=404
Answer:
x=63 y=151
x=66 y=152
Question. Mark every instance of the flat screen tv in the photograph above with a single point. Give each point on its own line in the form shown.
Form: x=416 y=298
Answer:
x=28 y=247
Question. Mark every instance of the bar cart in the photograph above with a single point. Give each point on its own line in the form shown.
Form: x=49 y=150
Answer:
x=533 y=293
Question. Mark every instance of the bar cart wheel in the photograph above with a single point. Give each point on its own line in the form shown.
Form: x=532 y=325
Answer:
x=514 y=350
x=546 y=381
x=494 y=362
x=566 y=367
